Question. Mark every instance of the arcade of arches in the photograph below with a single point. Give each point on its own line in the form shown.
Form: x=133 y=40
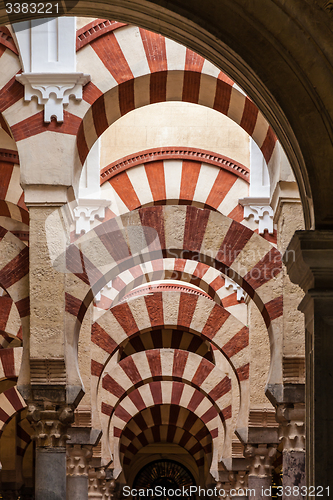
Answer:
x=163 y=236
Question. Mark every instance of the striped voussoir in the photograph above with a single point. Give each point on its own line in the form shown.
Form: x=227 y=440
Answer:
x=10 y=323
x=24 y=432
x=6 y=40
x=145 y=380
x=167 y=339
x=10 y=363
x=176 y=181
x=11 y=194
x=186 y=232
x=188 y=312
x=14 y=273
x=166 y=423
x=134 y=68
x=11 y=402
x=207 y=278
x=212 y=386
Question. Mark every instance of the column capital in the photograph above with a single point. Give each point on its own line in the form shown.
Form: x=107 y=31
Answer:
x=78 y=458
x=50 y=423
x=309 y=259
x=292 y=426
x=261 y=458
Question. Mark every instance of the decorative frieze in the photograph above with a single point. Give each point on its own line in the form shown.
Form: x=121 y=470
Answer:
x=48 y=371
x=264 y=417
x=294 y=370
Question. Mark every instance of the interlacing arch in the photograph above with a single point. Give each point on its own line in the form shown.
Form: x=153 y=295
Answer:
x=171 y=309
x=142 y=68
x=14 y=273
x=10 y=323
x=175 y=176
x=166 y=423
x=11 y=402
x=210 y=280
x=152 y=233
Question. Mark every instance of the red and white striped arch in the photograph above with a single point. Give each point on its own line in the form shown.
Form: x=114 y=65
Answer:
x=11 y=402
x=134 y=67
x=167 y=339
x=14 y=273
x=192 y=312
x=166 y=423
x=11 y=194
x=10 y=323
x=10 y=363
x=130 y=68
x=182 y=232
x=170 y=309
x=174 y=180
x=121 y=379
x=207 y=278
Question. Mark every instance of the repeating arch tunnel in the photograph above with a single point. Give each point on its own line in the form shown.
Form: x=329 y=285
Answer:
x=156 y=349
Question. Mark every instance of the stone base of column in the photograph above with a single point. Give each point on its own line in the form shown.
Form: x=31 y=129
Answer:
x=262 y=487
x=77 y=487
x=50 y=474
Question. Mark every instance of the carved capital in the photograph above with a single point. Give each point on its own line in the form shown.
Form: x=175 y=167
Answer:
x=261 y=457
x=238 y=480
x=50 y=424
x=292 y=426
x=97 y=486
x=78 y=458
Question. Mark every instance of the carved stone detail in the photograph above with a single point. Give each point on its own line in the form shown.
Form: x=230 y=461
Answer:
x=78 y=458
x=263 y=215
x=238 y=480
x=261 y=457
x=262 y=418
x=48 y=371
x=50 y=424
x=294 y=370
x=53 y=90
x=98 y=487
x=86 y=211
x=241 y=294
x=292 y=426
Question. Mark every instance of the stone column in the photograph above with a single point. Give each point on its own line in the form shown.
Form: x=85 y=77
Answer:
x=78 y=458
x=309 y=261
x=261 y=457
x=292 y=435
x=50 y=426
x=79 y=453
